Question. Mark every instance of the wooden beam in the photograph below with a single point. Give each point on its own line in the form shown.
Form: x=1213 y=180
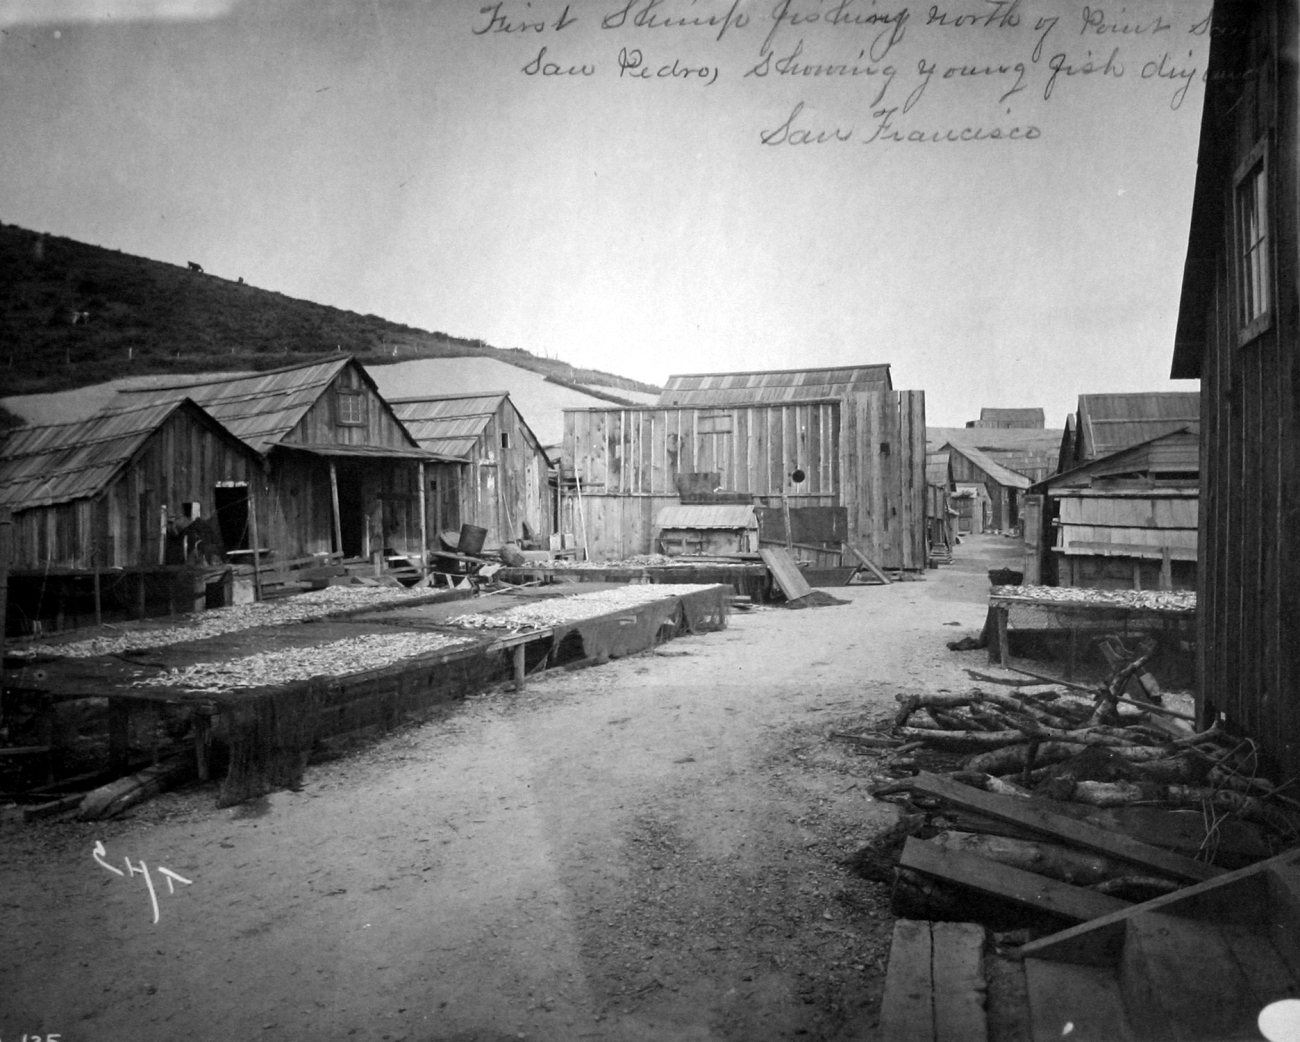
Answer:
x=424 y=525
x=1008 y=884
x=907 y=1007
x=1025 y=813
x=786 y=572
x=869 y=565
x=334 y=499
x=1242 y=896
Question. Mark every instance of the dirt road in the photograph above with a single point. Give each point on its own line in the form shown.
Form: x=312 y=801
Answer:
x=648 y=849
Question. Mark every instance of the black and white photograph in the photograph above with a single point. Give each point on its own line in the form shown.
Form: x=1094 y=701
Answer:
x=649 y=520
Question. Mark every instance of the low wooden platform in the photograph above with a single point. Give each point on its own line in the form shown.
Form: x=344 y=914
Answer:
x=282 y=720
x=752 y=580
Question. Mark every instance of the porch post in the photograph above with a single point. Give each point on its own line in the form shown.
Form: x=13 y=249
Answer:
x=334 y=496
x=424 y=527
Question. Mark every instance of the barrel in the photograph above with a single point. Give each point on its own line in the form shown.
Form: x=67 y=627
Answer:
x=471 y=540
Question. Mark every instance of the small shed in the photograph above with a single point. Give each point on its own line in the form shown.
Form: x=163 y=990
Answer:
x=1002 y=485
x=100 y=493
x=1107 y=423
x=499 y=481
x=707 y=528
x=974 y=508
x=1127 y=520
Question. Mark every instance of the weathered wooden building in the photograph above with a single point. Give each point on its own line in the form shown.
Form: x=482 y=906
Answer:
x=103 y=492
x=1124 y=521
x=940 y=513
x=343 y=474
x=1239 y=332
x=863 y=450
x=972 y=466
x=500 y=480
x=1107 y=423
x=1010 y=419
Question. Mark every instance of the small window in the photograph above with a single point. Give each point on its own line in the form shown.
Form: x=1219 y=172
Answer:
x=352 y=408
x=1252 y=248
x=505 y=439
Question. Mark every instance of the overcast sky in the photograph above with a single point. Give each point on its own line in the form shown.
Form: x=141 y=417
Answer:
x=725 y=189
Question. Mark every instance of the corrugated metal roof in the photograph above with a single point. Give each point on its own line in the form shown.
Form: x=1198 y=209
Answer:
x=259 y=409
x=1108 y=423
x=43 y=466
x=773 y=385
x=709 y=515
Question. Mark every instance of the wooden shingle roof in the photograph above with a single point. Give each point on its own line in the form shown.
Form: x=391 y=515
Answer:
x=773 y=385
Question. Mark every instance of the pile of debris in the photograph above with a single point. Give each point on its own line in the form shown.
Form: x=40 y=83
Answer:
x=1042 y=807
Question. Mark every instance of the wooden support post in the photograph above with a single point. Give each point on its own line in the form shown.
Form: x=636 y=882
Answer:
x=785 y=514
x=1004 y=645
x=1166 y=569
x=140 y=594
x=424 y=527
x=119 y=733
x=99 y=600
x=334 y=498
x=202 y=742
x=6 y=553
x=257 y=544
x=519 y=666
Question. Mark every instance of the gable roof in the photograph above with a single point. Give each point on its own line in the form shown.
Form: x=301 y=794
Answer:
x=450 y=424
x=258 y=408
x=1108 y=423
x=1175 y=452
x=773 y=385
x=990 y=466
x=1032 y=453
x=58 y=463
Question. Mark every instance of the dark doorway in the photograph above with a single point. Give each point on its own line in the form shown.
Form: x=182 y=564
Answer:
x=232 y=515
x=352 y=511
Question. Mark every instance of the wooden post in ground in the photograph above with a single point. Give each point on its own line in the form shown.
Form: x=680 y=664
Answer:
x=257 y=544
x=424 y=528
x=99 y=600
x=519 y=666
x=6 y=552
x=334 y=498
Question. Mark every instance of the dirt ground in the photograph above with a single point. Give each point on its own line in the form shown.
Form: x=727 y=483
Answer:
x=648 y=849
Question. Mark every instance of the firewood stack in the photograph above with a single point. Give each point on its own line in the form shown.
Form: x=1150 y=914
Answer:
x=1042 y=808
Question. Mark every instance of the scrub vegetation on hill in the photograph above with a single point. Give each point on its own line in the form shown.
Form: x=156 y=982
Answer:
x=73 y=314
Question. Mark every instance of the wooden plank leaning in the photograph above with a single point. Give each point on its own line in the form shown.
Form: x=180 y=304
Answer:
x=1024 y=813
x=785 y=572
x=1009 y=884
x=867 y=563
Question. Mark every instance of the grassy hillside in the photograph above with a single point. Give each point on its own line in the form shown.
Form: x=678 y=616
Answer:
x=73 y=315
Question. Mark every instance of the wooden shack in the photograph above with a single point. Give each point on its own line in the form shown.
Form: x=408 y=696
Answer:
x=99 y=505
x=864 y=451
x=971 y=466
x=774 y=385
x=499 y=481
x=1105 y=424
x=1239 y=332
x=343 y=475
x=1010 y=419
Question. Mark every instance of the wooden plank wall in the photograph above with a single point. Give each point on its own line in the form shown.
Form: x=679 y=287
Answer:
x=181 y=462
x=1249 y=584
x=865 y=452
x=512 y=483
x=320 y=425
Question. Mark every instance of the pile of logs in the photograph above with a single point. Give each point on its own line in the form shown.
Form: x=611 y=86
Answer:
x=1059 y=808
x=1042 y=741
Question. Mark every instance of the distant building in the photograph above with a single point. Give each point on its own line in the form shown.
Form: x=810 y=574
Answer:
x=1024 y=419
